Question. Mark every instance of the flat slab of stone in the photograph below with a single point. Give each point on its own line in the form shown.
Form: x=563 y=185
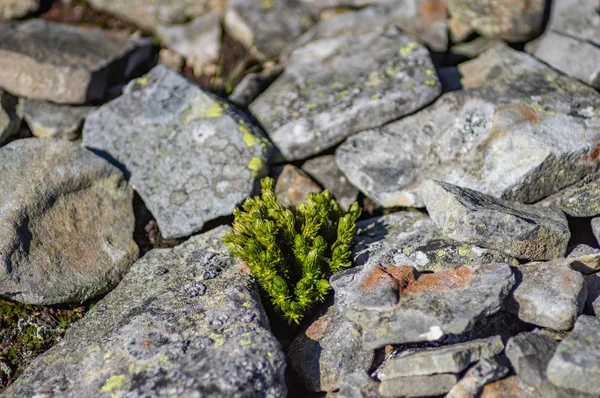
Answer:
x=524 y=231
x=518 y=130
x=64 y=64
x=46 y=119
x=189 y=155
x=326 y=172
x=336 y=86
x=185 y=321
x=9 y=119
x=418 y=386
x=66 y=223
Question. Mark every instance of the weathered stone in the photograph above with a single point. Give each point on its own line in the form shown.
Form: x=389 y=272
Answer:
x=585 y=259
x=9 y=119
x=446 y=359
x=66 y=223
x=358 y=385
x=529 y=354
x=575 y=363
x=149 y=338
x=418 y=386
x=13 y=9
x=509 y=20
x=578 y=200
x=64 y=64
x=253 y=84
x=592 y=305
x=328 y=350
x=524 y=231
x=191 y=157
x=485 y=371
x=293 y=186
x=503 y=135
x=337 y=86
x=549 y=294
x=476 y=47
x=324 y=170
x=508 y=388
x=266 y=27
x=46 y=119
x=595 y=223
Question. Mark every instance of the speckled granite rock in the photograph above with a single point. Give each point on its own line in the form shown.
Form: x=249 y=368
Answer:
x=524 y=231
x=184 y=321
x=190 y=156
x=529 y=354
x=12 y=9
x=66 y=223
x=333 y=87
x=325 y=171
x=293 y=186
x=505 y=135
x=64 y=64
x=9 y=119
x=584 y=259
x=46 y=119
x=578 y=200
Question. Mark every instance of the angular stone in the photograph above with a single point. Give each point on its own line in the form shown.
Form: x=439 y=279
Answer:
x=9 y=120
x=507 y=388
x=584 y=259
x=334 y=87
x=190 y=156
x=529 y=354
x=524 y=231
x=324 y=170
x=503 y=135
x=64 y=64
x=328 y=350
x=592 y=305
x=549 y=294
x=151 y=337
x=11 y=9
x=485 y=371
x=446 y=359
x=293 y=186
x=418 y=386
x=575 y=363
x=358 y=385
x=267 y=27
x=578 y=200
x=66 y=223
x=253 y=84
x=46 y=119
x=577 y=18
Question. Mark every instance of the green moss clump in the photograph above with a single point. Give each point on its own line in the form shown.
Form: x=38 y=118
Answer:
x=293 y=253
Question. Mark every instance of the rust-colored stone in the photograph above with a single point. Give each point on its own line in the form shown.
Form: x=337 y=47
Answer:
x=449 y=279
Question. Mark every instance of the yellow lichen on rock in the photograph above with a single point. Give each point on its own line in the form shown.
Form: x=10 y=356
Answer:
x=114 y=383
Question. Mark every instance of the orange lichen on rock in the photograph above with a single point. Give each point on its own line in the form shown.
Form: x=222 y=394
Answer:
x=316 y=330
x=394 y=277
x=449 y=279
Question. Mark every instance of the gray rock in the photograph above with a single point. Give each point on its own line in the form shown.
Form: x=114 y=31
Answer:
x=578 y=19
x=327 y=351
x=66 y=223
x=578 y=200
x=485 y=371
x=9 y=119
x=64 y=64
x=592 y=305
x=508 y=388
x=253 y=84
x=358 y=385
x=511 y=101
x=46 y=119
x=293 y=186
x=148 y=337
x=575 y=363
x=446 y=359
x=584 y=259
x=529 y=354
x=595 y=223
x=191 y=157
x=337 y=86
x=418 y=386
x=11 y=9
x=267 y=27
x=325 y=171
x=524 y=231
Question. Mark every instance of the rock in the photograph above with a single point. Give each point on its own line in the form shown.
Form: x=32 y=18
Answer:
x=418 y=386
x=171 y=59
x=9 y=120
x=508 y=388
x=509 y=20
x=66 y=223
x=337 y=86
x=485 y=371
x=324 y=170
x=190 y=156
x=358 y=385
x=199 y=41
x=476 y=47
x=327 y=351
x=584 y=259
x=266 y=27
x=150 y=337
x=64 y=64
x=504 y=134
x=293 y=186
x=578 y=200
x=529 y=354
x=595 y=223
x=549 y=294
x=575 y=363
x=524 y=231
x=11 y=9
x=592 y=305
x=452 y=358
x=253 y=84
x=46 y=119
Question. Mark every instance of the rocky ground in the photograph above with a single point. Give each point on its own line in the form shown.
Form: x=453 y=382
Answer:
x=469 y=132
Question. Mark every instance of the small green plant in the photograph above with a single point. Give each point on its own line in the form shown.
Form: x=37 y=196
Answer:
x=292 y=253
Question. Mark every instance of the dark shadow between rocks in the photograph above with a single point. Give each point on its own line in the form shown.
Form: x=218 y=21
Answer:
x=110 y=159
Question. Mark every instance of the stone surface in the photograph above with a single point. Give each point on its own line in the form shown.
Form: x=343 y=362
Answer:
x=333 y=87
x=267 y=27
x=592 y=305
x=46 y=119
x=325 y=171
x=595 y=223
x=575 y=363
x=9 y=119
x=328 y=350
x=584 y=259
x=253 y=84
x=12 y=9
x=358 y=385
x=524 y=231
x=509 y=20
x=190 y=156
x=446 y=359
x=293 y=186
x=578 y=200
x=66 y=223
x=64 y=64
x=159 y=334
x=529 y=354
x=518 y=130
x=418 y=386
x=549 y=294
x=485 y=371
x=507 y=388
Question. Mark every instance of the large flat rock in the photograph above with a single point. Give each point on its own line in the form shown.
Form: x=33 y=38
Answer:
x=189 y=155
x=185 y=321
